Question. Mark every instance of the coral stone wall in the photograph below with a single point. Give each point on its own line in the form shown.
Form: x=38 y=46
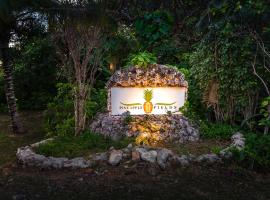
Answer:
x=153 y=76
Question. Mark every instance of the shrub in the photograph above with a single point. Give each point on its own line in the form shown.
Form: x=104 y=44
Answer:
x=60 y=112
x=142 y=59
x=97 y=103
x=217 y=130
x=256 y=153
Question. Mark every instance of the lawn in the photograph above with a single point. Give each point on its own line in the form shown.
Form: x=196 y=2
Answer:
x=9 y=142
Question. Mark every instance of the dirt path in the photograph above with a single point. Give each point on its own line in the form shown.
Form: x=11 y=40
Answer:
x=140 y=182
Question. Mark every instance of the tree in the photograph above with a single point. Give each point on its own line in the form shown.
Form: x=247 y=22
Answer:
x=79 y=40
x=82 y=42
x=13 y=14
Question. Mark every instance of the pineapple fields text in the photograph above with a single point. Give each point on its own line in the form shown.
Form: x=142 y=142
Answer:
x=140 y=101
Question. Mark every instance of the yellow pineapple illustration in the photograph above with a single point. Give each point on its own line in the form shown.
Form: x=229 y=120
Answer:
x=148 y=96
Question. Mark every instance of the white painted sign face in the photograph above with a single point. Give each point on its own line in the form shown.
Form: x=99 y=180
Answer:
x=140 y=101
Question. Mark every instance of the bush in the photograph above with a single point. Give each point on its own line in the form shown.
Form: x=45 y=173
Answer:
x=142 y=59
x=60 y=112
x=71 y=146
x=97 y=103
x=256 y=153
x=35 y=74
x=217 y=130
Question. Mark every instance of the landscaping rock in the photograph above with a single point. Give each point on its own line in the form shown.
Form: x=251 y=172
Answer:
x=41 y=142
x=130 y=146
x=208 y=158
x=162 y=157
x=175 y=127
x=115 y=157
x=149 y=156
x=140 y=150
x=225 y=153
x=101 y=157
x=183 y=160
x=135 y=156
x=78 y=162
x=238 y=141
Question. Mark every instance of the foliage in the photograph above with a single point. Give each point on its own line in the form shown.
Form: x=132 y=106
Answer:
x=256 y=153
x=82 y=145
x=153 y=27
x=154 y=33
x=120 y=44
x=142 y=59
x=127 y=118
x=59 y=115
x=35 y=74
x=216 y=149
x=265 y=121
x=222 y=59
x=192 y=108
x=97 y=103
x=210 y=66
x=217 y=130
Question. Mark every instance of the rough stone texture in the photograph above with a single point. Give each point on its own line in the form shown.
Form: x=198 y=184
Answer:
x=149 y=156
x=135 y=156
x=101 y=157
x=238 y=141
x=208 y=158
x=176 y=128
x=162 y=157
x=27 y=157
x=115 y=157
x=41 y=142
x=153 y=76
x=225 y=153
x=182 y=160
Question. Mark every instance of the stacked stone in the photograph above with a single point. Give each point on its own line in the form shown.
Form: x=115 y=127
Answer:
x=174 y=128
x=161 y=156
x=153 y=76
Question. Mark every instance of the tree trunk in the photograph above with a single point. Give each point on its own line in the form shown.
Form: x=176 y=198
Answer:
x=79 y=108
x=9 y=87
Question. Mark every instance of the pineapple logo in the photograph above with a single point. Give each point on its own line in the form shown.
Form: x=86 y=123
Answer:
x=148 y=96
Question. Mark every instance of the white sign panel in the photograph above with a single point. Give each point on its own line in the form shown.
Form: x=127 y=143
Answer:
x=140 y=101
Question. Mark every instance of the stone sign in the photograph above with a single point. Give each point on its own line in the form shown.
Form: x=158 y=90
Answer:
x=148 y=94
x=139 y=101
x=156 y=90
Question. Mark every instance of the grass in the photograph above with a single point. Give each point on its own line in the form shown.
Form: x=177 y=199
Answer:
x=9 y=142
x=201 y=147
x=71 y=146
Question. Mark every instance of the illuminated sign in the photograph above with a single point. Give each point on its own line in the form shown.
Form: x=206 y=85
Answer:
x=140 y=101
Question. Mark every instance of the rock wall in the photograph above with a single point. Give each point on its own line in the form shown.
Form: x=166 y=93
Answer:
x=160 y=156
x=174 y=128
x=153 y=76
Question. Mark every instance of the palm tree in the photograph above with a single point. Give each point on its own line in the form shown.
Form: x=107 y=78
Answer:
x=12 y=15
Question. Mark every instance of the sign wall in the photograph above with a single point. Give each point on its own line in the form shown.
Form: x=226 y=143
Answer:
x=140 y=101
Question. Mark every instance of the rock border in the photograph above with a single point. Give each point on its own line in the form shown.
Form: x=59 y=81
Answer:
x=160 y=156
